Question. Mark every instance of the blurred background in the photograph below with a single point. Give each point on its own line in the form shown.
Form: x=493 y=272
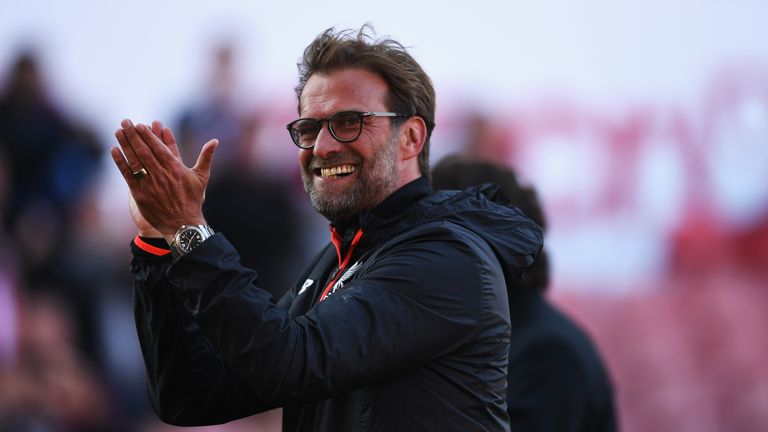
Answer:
x=643 y=126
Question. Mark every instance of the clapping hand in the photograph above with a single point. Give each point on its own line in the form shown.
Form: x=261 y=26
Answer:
x=165 y=193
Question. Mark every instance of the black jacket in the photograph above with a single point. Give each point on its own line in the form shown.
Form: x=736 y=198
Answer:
x=557 y=381
x=413 y=334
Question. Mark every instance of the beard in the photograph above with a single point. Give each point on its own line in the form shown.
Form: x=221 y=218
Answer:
x=376 y=180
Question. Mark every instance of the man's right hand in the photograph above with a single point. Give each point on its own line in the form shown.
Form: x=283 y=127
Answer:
x=163 y=137
x=144 y=227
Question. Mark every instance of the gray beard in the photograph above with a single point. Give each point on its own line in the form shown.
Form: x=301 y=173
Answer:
x=376 y=182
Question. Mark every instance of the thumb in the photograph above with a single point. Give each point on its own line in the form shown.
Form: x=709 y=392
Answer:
x=203 y=164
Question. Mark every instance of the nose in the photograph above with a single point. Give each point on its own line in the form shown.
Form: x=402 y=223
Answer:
x=326 y=144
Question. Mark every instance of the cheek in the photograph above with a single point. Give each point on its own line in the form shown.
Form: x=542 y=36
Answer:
x=304 y=157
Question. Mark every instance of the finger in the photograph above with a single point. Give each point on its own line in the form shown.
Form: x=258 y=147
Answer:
x=122 y=165
x=155 y=143
x=170 y=140
x=148 y=147
x=133 y=144
x=157 y=128
x=134 y=163
x=166 y=136
x=204 y=160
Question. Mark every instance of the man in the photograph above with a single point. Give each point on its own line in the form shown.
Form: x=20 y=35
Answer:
x=557 y=381
x=399 y=324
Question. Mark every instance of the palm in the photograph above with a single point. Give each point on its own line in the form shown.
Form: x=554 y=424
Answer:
x=145 y=228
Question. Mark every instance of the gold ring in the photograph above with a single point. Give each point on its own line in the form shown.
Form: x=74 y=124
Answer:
x=138 y=175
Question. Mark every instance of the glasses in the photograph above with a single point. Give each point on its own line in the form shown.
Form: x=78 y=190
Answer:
x=345 y=126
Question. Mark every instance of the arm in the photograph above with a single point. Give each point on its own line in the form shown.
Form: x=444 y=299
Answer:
x=188 y=383
x=183 y=371
x=413 y=306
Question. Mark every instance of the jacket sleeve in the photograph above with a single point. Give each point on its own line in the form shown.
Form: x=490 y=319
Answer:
x=188 y=382
x=413 y=305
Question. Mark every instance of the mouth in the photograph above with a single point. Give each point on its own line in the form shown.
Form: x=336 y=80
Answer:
x=335 y=172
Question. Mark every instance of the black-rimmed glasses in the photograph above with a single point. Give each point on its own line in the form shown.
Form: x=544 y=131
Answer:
x=345 y=126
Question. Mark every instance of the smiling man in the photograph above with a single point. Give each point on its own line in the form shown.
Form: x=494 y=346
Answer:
x=399 y=324
x=357 y=168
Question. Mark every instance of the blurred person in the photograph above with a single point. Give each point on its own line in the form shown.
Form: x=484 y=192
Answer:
x=556 y=380
x=487 y=140
x=249 y=202
x=215 y=112
x=50 y=158
x=400 y=323
x=255 y=209
x=8 y=277
x=50 y=386
x=51 y=161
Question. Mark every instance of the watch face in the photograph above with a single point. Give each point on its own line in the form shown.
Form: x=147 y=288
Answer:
x=189 y=238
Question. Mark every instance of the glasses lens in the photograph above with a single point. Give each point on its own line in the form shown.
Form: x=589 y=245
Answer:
x=304 y=132
x=346 y=125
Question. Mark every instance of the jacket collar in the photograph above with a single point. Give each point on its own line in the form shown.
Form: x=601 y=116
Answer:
x=401 y=199
x=392 y=207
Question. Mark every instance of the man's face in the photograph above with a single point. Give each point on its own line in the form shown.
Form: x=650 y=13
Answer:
x=343 y=179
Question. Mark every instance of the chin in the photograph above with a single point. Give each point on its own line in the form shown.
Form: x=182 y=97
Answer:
x=335 y=210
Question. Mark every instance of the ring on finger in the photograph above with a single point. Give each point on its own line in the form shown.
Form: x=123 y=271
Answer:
x=138 y=175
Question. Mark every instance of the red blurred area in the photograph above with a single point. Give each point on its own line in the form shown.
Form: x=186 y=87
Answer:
x=684 y=339
x=689 y=356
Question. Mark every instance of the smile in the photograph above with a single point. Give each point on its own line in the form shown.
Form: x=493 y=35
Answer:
x=337 y=171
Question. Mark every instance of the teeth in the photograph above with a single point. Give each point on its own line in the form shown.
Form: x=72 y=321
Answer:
x=343 y=169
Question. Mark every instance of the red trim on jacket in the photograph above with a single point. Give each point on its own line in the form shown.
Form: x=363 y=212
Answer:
x=146 y=247
x=336 y=239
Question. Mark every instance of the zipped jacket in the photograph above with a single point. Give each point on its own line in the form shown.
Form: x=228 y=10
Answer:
x=400 y=324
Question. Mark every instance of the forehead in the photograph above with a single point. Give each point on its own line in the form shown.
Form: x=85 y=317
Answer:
x=347 y=89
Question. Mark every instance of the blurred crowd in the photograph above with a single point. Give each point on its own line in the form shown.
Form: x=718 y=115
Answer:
x=69 y=358
x=658 y=234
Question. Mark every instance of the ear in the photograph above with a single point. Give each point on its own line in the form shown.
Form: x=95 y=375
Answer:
x=413 y=133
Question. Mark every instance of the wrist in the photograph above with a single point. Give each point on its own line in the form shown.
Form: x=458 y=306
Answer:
x=187 y=238
x=169 y=231
x=149 y=246
x=150 y=233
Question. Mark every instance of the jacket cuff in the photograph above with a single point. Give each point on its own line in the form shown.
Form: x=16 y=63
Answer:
x=149 y=247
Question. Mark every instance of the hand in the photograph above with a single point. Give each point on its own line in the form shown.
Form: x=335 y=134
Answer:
x=171 y=194
x=144 y=228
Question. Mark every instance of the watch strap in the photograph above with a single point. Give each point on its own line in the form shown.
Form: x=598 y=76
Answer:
x=177 y=251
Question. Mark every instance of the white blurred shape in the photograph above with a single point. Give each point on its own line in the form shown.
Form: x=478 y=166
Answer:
x=660 y=183
x=738 y=163
x=568 y=170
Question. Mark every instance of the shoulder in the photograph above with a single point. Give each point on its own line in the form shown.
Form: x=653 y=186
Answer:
x=437 y=231
x=439 y=261
x=441 y=246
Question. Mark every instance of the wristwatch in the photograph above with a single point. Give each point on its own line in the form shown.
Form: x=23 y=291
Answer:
x=189 y=237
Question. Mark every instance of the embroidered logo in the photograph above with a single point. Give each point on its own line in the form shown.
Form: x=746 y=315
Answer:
x=307 y=283
x=345 y=277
